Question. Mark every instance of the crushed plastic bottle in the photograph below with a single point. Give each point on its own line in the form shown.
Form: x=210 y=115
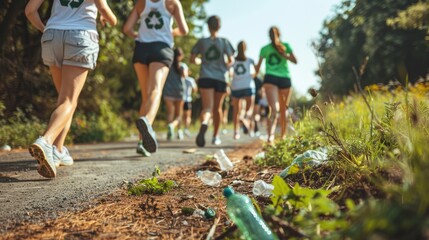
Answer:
x=223 y=160
x=241 y=211
x=210 y=178
x=261 y=188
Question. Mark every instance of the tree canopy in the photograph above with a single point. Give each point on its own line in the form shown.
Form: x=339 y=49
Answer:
x=392 y=34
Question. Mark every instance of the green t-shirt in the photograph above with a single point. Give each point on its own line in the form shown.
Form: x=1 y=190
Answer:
x=275 y=64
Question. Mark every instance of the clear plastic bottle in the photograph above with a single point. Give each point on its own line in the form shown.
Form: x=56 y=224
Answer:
x=223 y=160
x=261 y=188
x=210 y=178
x=241 y=211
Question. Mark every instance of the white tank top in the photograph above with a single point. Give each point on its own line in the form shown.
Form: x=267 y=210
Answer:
x=243 y=72
x=155 y=23
x=73 y=15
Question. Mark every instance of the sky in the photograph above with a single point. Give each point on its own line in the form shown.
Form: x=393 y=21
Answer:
x=299 y=21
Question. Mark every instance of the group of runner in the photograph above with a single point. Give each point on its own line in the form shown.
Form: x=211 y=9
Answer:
x=70 y=49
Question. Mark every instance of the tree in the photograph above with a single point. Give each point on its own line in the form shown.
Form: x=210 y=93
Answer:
x=359 y=29
x=25 y=82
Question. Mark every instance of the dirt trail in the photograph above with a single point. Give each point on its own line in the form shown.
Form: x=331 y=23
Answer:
x=99 y=170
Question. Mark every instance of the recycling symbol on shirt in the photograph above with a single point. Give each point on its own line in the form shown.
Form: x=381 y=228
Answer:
x=154 y=20
x=212 y=53
x=274 y=59
x=240 y=69
x=71 y=3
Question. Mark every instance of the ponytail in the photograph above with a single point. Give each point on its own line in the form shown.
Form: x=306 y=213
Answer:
x=275 y=40
x=241 y=56
x=178 y=52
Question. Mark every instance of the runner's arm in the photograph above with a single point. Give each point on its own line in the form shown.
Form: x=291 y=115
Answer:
x=289 y=56
x=258 y=66
x=182 y=27
x=106 y=14
x=128 y=28
x=33 y=15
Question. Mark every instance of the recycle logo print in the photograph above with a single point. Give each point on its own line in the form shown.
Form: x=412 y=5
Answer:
x=154 y=20
x=212 y=53
x=71 y=3
x=274 y=59
x=240 y=69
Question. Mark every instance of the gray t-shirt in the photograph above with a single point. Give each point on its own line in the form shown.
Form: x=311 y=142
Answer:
x=175 y=83
x=213 y=51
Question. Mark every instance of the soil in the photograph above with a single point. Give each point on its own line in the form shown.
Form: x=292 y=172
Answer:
x=167 y=216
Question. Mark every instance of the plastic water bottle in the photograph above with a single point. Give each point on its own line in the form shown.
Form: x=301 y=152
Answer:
x=261 y=188
x=241 y=211
x=223 y=160
x=210 y=178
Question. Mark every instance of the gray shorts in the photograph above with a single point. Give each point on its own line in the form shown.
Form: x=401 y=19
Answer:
x=70 y=47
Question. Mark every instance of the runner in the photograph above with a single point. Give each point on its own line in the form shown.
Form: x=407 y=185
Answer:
x=190 y=87
x=217 y=55
x=277 y=82
x=173 y=94
x=70 y=49
x=153 y=56
x=242 y=88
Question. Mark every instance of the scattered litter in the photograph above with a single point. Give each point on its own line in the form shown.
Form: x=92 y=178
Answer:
x=6 y=148
x=310 y=158
x=261 y=188
x=260 y=156
x=236 y=183
x=223 y=160
x=210 y=178
x=190 y=150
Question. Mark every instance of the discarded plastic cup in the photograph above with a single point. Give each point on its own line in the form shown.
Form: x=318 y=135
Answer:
x=223 y=160
x=210 y=178
x=261 y=188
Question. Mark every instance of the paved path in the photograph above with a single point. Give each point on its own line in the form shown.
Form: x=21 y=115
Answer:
x=99 y=169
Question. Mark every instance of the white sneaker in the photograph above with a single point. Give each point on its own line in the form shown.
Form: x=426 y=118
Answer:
x=187 y=133
x=62 y=158
x=180 y=134
x=216 y=141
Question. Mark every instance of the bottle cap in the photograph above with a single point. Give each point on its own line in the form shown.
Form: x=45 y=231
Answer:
x=209 y=213
x=228 y=191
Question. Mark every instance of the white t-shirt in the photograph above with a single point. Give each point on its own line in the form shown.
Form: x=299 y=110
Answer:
x=243 y=74
x=73 y=15
x=156 y=23
x=189 y=86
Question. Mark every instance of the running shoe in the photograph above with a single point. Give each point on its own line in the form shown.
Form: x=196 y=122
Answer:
x=170 y=132
x=201 y=141
x=62 y=158
x=180 y=134
x=43 y=153
x=216 y=141
x=140 y=150
x=148 y=135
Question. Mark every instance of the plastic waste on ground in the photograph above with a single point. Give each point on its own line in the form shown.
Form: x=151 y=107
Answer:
x=210 y=178
x=310 y=158
x=242 y=212
x=260 y=156
x=223 y=160
x=261 y=188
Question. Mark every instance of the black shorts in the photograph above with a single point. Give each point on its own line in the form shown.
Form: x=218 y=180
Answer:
x=219 y=86
x=280 y=82
x=187 y=106
x=146 y=53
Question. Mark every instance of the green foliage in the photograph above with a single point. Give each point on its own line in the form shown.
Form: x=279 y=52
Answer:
x=282 y=153
x=18 y=130
x=392 y=162
x=306 y=209
x=152 y=185
x=102 y=127
x=358 y=30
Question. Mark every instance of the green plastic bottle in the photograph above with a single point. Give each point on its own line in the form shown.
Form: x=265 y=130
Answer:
x=241 y=211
